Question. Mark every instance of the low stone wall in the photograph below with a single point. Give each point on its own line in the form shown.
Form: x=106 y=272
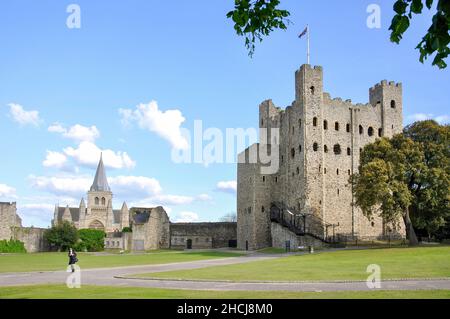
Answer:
x=33 y=238
x=203 y=235
x=281 y=234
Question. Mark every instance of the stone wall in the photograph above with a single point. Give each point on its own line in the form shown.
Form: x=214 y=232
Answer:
x=202 y=235
x=152 y=234
x=8 y=220
x=33 y=238
x=281 y=234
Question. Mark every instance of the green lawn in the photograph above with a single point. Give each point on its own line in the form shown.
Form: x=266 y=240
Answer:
x=395 y=263
x=97 y=292
x=58 y=261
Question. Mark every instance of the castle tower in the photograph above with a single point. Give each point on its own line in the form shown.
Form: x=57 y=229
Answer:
x=309 y=95
x=67 y=217
x=99 y=213
x=389 y=96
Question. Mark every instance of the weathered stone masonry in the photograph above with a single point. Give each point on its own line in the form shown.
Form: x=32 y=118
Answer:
x=320 y=140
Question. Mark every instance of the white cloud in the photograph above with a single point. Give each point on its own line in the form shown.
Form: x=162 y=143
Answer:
x=73 y=186
x=88 y=154
x=77 y=133
x=187 y=217
x=166 y=124
x=227 y=186
x=7 y=191
x=54 y=159
x=37 y=215
x=132 y=187
x=164 y=200
x=23 y=117
x=441 y=119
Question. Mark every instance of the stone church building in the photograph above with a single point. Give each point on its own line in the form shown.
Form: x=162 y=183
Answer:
x=99 y=212
x=309 y=199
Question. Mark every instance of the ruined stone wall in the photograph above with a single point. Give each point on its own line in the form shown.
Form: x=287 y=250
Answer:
x=8 y=220
x=202 y=235
x=33 y=238
x=281 y=234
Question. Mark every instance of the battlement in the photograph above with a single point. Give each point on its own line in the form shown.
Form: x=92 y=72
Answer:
x=385 y=83
x=310 y=67
x=8 y=203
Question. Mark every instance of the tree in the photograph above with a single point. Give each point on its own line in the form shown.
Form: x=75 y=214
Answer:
x=381 y=186
x=431 y=206
x=91 y=240
x=436 y=40
x=63 y=236
x=258 y=18
x=229 y=218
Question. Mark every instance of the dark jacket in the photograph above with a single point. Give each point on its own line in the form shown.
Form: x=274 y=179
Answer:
x=72 y=258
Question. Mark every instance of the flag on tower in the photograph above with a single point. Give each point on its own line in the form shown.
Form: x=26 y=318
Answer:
x=303 y=33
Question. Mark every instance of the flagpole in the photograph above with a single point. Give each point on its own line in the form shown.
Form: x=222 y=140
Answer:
x=308 y=52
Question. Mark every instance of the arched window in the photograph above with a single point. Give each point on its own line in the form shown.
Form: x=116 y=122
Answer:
x=300 y=123
x=380 y=132
x=349 y=151
x=393 y=104
x=337 y=149
x=348 y=128
x=103 y=201
x=337 y=171
x=315 y=147
x=97 y=201
x=370 y=131
x=262 y=122
x=325 y=170
x=293 y=153
x=361 y=130
x=336 y=126
x=325 y=125
x=293 y=130
x=263 y=209
x=315 y=121
x=299 y=148
x=264 y=179
x=298 y=170
x=312 y=89
x=325 y=149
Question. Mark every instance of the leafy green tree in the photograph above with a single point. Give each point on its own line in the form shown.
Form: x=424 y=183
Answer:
x=91 y=240
x=431 y=188
x=63 y=236
x=256 y=19
x=436 y=40
x=381 y=186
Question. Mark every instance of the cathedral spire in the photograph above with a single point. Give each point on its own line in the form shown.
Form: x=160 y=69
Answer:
x=100 y=181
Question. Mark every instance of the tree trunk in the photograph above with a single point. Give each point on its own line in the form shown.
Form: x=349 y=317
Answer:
x=410 y=233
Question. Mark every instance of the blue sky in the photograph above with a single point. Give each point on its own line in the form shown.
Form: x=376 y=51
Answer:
x=61 y=91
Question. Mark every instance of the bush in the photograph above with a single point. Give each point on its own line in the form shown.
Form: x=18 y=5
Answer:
x=127 y=230
x=62 y=236
x=12 y=246
x=91 y=240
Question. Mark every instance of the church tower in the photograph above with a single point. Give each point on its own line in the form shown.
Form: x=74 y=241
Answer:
x=99 y=214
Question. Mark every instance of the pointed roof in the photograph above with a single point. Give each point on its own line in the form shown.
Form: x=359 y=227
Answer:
x=100 y=181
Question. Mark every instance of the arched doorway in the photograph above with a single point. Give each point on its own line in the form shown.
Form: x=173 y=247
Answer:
x=96 y=224
x=189 y=244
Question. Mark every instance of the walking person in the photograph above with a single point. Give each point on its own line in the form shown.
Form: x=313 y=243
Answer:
x=72 y=259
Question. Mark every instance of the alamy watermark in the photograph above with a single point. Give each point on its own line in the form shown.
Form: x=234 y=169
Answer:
x=215 y=146
x=74 y=279
x=374 y=18
x=374 y=279
x=74 y=19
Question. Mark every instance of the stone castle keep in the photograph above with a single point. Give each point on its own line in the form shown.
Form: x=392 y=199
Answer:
x=310 y=199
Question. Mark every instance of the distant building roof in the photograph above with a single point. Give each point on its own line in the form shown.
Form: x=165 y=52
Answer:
x=100 y=181
x=74 y=212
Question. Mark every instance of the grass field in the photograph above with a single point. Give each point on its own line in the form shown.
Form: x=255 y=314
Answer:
x=395 y=263
x=95 y=292
x=58 y=261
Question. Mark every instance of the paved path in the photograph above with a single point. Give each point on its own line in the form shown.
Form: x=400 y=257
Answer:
x=106 y=277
